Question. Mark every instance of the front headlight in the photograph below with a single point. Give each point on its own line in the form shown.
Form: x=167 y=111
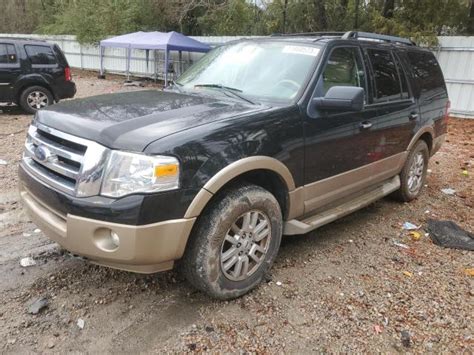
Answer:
x=128 y=173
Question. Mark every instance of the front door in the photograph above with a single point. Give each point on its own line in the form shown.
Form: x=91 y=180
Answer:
x=338 y=144
x=9 y=70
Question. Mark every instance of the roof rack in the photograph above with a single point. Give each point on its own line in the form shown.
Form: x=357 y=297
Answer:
x=21 y=39
x=308 y=34
x=379 y=37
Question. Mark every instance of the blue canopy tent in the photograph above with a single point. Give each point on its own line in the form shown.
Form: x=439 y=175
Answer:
x=166 y=41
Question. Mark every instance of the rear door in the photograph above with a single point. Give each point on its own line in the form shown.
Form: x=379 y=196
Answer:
x=397 y=110
x=9 y=70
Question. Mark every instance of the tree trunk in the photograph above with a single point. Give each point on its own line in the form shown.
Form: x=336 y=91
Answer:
x=285 y=8
x=322 y=19
x=388 y=8
x=470 y=25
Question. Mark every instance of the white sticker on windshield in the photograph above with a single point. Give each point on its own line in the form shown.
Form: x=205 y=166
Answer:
x=312 y=51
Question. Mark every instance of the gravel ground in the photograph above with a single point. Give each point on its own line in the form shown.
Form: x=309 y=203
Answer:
x=343 y=288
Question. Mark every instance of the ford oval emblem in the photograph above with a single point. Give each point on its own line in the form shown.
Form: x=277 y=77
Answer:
x=42 y=153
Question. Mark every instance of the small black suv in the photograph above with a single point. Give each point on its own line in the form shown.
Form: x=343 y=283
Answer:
x=260 y=138
x=33 y=74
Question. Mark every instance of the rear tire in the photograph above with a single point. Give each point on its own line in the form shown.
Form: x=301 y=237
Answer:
x=234 y=242
x=34 y=98
x=413 y=175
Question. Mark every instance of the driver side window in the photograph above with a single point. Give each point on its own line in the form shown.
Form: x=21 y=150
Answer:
x=344 y=68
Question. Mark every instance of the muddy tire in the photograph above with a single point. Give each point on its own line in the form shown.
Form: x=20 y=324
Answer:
x=234 y=242
x=413 y=175
x=34 y=98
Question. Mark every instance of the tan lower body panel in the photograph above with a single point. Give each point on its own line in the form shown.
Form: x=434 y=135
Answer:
x=324 y=192
x=145 y=249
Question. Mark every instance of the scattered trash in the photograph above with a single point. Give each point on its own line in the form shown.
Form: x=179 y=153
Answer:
x=415 y=235
x=401 y=245
x=405 y=338
x=449 y=235
x=465 y=173
x=469 y=272
x=407 y=273
x=27 y=234
x=448 y=191
x=38 y=305
x=378 y=329
x=410 y=226
x=81 y=323
x=278 y=283
x=133 y=83
x=351 y=241
x=429 y=171
x=3 y=162
x=37 y=230
x=28 y=261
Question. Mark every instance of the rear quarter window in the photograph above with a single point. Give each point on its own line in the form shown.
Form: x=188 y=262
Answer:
x=426 y=71
x=40 y=55
x=7 y=54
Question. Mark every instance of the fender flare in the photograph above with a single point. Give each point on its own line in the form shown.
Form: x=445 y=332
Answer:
x=232 y=171
x=421 y=131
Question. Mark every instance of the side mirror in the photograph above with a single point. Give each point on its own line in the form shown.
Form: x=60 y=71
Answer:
x=341 y=98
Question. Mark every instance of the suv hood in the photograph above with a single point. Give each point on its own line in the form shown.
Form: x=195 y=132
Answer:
x=132 y=120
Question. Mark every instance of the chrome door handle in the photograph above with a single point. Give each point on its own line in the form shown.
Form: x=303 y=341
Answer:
x=413 y=116
x=365 y=125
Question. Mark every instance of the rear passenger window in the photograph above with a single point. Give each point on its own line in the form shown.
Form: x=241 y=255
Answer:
x=42 y=55
x=7 y=53
x=387 y=81
x=344 y=68
x=426 y=70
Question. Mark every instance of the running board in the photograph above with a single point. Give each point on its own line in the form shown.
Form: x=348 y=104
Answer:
x=308 y=224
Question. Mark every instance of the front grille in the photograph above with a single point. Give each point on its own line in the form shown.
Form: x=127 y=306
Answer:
x=68 y=163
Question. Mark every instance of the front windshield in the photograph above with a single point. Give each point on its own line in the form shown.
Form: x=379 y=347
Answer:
x=266 y=70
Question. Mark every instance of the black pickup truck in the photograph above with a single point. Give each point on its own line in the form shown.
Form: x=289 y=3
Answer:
x=260 y=138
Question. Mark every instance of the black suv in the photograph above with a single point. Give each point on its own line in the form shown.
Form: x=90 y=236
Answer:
x=33 y=74
x=260 y=138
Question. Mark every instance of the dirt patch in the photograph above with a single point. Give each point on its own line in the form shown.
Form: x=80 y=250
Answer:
x=347 y=287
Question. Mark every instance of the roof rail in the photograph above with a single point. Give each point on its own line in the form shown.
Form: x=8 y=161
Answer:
x=379 y=37
x=307 y=34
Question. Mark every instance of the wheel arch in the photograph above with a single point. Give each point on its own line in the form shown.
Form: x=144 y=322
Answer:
x=426 y=134
x=27 y=84
x=263 y=171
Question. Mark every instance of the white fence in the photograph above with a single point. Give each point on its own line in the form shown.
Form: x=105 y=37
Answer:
x=455 y=54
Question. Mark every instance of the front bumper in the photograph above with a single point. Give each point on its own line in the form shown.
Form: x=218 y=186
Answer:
x=143 y=248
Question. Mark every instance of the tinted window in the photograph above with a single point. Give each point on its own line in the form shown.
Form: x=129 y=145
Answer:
x=426 y=70
x=403 y=79
x=7 y=53
x=344 y=68
x=387 y=82
x=40 y=54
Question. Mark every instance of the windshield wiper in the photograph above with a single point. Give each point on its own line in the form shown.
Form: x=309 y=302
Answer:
x=226 y=89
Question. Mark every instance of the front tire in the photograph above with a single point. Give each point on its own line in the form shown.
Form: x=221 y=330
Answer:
x=34 y=98
x=413 y=175
x=234 y=243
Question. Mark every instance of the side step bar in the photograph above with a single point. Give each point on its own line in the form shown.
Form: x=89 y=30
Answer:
x=308 y=224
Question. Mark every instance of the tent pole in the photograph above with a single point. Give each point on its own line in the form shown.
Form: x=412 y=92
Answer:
x=166 y=67
x=180 y=62
x=154 y=63
x=129 y=53
x=101 y=52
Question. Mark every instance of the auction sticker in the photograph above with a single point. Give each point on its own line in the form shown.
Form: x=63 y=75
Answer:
x=312 y=51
